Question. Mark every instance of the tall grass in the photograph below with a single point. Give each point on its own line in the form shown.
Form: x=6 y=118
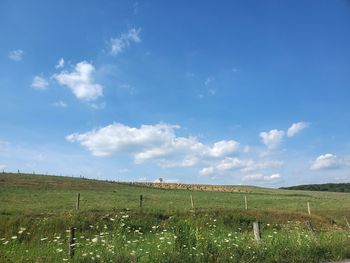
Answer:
x=37 y=211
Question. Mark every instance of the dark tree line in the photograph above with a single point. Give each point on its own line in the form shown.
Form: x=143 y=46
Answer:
x=331 y=187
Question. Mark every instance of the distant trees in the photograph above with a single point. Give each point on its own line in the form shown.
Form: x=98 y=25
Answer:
x=331 y=187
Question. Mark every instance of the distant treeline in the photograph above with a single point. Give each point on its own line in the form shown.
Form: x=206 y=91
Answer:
x=343 y=187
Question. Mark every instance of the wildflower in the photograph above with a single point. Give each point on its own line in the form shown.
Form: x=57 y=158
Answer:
x=14 y=237
x=94 y=240
x=43 y=239
x=5 y=242
x=59 y=250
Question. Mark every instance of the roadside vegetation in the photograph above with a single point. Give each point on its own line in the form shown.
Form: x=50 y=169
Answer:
x=36 y=213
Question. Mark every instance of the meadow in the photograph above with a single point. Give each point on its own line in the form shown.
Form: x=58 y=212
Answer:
x=37 y=211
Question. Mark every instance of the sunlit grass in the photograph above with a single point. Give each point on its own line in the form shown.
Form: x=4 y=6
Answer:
x=37 y=212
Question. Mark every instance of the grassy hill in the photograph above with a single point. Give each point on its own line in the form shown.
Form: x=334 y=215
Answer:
x=340 y=187
x=110 y=224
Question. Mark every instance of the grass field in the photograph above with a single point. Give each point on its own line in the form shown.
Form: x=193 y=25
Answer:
x=36 y=211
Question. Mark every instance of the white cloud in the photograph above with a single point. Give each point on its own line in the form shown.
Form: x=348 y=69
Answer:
x=60 y=103
x=234 y=163
x=272 y=177
x=81 y=81
x=262 y=165
x=16 y=55
x=60 y=63
x=296 y=128
x=260 y=177
x=222 y=148
x=151 y=142
x=39 y=83
x=326 y=161
x=227 y=164
x=207 y=170
x=272 y=139
x=119 y=44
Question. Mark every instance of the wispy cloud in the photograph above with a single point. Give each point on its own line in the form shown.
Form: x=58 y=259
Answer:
x=98 y=106
x=234 y=163
x=296 y=128
x=117 y=45
x=60 y=64
x=81 y=82
x=60 y=103
x=39 y=83
x=16 y=55
x=262 y=178
x=208 y=81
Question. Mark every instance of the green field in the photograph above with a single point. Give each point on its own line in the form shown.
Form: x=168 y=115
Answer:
x=36 y=211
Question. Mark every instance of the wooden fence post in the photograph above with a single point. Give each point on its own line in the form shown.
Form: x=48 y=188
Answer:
x=77 y=205
x=311 y=229
x=246 y=202
x=256 y=229
x=72 y=242
x=141 y=198
x=308 y=208
x=192 y=204
x=347 y=222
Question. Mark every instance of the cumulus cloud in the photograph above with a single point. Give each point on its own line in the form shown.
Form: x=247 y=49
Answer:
x=296 y=128
x=151 y=142
x=326 y=161
x=39 y=83
x=60 y=64
x=272 y=139
x=261 y=178
x=81 y=82
x=16 y=55
x=117 y=45
x=234 y=163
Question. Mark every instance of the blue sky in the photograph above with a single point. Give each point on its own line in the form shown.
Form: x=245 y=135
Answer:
x=236 y=92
